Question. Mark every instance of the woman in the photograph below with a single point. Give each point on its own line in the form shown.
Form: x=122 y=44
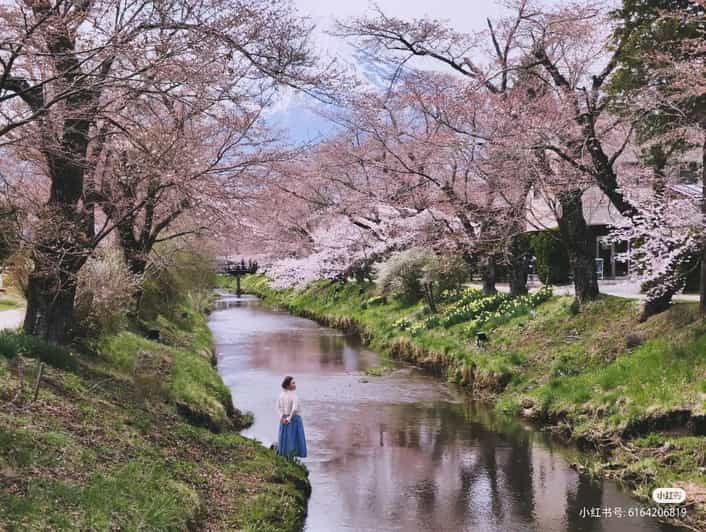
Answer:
x=291 y=441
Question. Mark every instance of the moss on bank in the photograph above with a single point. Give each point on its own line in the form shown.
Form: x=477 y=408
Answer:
x=134 y=434
x=179 y=368
x=634 y=391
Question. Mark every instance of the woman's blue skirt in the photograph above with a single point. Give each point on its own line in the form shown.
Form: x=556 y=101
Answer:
x=291 y=441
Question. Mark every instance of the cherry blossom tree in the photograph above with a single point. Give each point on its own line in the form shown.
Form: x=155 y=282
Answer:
x=70 y=72
x=322 y=215
x=347 y=247
x=661 y=77
x=396 y=41
x=195 y=163
x=422 y=162
x=565 y=50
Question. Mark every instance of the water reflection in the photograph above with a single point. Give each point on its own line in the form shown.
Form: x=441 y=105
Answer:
x=401 y=452
x=276 y=340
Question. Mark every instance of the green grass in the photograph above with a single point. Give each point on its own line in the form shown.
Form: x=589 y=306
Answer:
x=13 y=344
x=120 y=351
x=137 y=496
x=87 y=455
x=8 y=304
x=180 y=367
x=657 y=377
x=194 y=382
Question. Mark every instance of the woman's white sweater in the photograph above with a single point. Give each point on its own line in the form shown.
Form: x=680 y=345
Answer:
x=288 y=404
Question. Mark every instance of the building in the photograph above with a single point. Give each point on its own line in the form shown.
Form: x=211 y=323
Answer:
x=612 y=258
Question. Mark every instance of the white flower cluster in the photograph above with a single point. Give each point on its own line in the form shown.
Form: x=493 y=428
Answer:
x=346 y=244
x=665 y=236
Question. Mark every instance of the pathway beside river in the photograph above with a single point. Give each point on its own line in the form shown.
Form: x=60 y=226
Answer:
x=11 y=319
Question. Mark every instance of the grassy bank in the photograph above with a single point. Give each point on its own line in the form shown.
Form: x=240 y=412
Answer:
x=634 y=391
x=8 y=304
x=10 y=299
x=134 y=434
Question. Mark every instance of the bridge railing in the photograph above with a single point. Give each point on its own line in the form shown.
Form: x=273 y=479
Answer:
x=239 y=268
x=236 y=269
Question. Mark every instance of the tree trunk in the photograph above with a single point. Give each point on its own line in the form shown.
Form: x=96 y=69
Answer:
x=581 y=245
x=137 y=263
x=50 y=304
x=63 y=245
x=429 y=296
x=133 y=249
x=65 y=231
x=488 y=274
x=702 y=284
x=669 y=283
x=518 y=278
x=660 y=303
x=585 y=279
x=518 y=267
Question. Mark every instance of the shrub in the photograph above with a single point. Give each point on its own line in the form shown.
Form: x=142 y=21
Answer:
x=13 y=344
x=447 y=273
x=176 y=279
x=410 y=274
x=552 y=259
x=105 y=294
x=401 y=275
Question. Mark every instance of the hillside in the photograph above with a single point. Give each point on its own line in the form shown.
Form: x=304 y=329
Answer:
x=128 y=434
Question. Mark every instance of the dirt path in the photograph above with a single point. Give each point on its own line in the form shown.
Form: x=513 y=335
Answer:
x=11 y=319
x=627 y=289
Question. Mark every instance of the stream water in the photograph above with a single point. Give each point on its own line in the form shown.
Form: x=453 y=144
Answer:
x=403 y=452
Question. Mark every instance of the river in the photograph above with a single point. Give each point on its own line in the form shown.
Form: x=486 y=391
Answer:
x=403 y=451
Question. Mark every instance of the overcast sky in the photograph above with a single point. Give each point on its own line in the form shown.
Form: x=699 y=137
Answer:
x=464 y=15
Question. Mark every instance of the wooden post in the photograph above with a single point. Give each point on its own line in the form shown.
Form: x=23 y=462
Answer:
x=39 y=380
x=237 y=284
x=18 y=369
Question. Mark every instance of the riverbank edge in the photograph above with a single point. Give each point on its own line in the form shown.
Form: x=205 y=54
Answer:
x=298 y=482
x=148 y=405
x=606 y=456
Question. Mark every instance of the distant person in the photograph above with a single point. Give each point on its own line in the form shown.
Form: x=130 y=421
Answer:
x=291 y=441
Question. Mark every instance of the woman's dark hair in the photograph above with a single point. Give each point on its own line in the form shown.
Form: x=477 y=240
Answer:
x=287 y=381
